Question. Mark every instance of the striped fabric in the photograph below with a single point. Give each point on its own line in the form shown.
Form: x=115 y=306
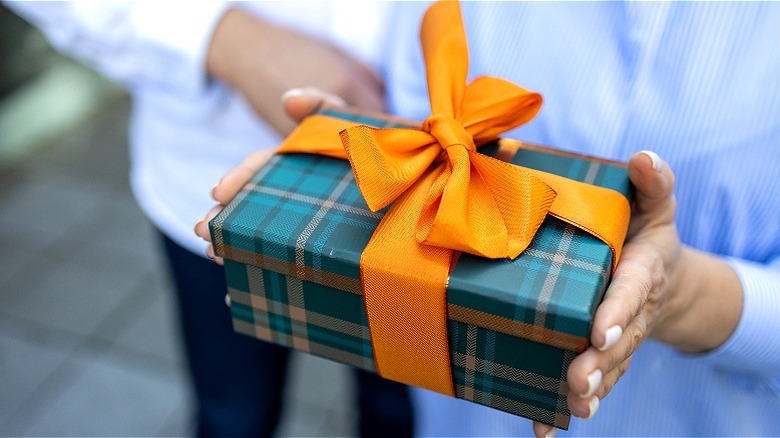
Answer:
x=293 y=238
x=697 y=82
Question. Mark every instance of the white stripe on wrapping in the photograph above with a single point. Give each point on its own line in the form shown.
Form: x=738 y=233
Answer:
x=593 y=171
x=569 y=261
x=317 y=201
x=325 y=206
x=552 y=276
x=297 y=312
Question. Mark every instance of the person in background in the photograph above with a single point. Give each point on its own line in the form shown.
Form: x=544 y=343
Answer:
x=694 y=306
x=206 y=81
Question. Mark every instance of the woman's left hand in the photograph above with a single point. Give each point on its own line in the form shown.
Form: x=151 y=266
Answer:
x=660 y=289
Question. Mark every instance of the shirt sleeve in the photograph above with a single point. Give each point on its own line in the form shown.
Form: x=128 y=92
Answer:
x=754 y=347
x=145 y=43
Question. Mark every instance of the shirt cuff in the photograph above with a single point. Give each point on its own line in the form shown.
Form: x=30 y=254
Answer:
x=754 y=347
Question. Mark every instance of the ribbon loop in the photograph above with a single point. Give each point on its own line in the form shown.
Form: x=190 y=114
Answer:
x=462 y=211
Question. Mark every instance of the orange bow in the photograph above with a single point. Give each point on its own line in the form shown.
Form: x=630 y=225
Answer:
x=454 y=197
x=475 y=203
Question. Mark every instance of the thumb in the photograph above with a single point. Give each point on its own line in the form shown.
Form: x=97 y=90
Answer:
x=654 y=182
x=301 y=102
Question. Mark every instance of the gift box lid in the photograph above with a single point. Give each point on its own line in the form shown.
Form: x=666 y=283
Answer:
x=302 y=215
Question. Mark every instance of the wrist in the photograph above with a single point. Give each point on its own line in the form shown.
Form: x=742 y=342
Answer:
x=703 y=305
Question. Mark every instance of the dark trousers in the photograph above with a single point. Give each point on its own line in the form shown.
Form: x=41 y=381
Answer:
x=239 y=380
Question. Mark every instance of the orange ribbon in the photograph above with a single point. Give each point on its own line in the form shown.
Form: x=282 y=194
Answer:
x=447 y=197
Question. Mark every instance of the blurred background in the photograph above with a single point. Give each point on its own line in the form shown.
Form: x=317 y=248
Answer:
x=89 y=341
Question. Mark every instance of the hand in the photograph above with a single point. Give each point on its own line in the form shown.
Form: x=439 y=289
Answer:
x=262 y=61
x=297 y=103
x=660 y=289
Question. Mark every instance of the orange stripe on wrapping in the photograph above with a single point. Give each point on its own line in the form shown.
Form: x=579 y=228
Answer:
x=291 y=269
x=518 y=329
x=404 y=285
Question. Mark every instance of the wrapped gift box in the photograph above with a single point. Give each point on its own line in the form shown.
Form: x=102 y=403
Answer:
x=292 y=242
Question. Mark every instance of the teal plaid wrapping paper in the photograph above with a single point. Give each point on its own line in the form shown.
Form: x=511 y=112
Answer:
x=292 y=241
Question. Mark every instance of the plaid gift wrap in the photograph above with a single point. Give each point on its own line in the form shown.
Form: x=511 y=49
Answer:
x=292 y=242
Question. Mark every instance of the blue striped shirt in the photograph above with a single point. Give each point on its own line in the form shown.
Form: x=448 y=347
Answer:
x=699 y=83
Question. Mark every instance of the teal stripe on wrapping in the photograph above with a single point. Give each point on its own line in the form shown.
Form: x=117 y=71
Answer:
x=611 y=177
x=235 y=274
x=499 y=349
x=333 y=302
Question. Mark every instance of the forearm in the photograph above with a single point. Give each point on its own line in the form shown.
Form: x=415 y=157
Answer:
x=706 y=305
x=241 y=54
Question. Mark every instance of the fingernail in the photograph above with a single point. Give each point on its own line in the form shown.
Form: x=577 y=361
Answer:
x=594 y=381
x=227 y=300
x=551 y=433
x=593 y=406
x=292 y=92
x=612 y=336
x=657 y=163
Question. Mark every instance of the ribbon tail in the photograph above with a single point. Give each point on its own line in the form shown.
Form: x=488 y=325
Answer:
x=445 y=49
x=404 y=285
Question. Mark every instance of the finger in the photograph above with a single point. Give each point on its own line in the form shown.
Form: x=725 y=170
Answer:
x=584 y=405
x=653 y=179
x=202 y=226
x=301 y=102
x=542 y=430
x=236 y=178
x=212 y=256
x=639 y=273
x=594 y=372
x=584 y=408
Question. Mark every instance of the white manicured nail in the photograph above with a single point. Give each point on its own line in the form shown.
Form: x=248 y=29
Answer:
x=227 y=300
x=551 y=433
x=612 y=336
x=593 y=405
x=657 y=163
x=292 y=92
x=594 y=381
